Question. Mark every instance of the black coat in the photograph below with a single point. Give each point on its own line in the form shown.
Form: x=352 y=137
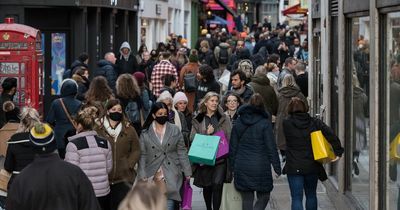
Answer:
x=299 y=154
x=129 y=66
x=20 y=153
x=204 y=87
x=209 y=59
x=252 y=151
x=107 y=70
x=56 y=184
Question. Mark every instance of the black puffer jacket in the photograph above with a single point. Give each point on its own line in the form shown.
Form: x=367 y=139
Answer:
x=252 y=150
x=299 y=154
x=20 y=153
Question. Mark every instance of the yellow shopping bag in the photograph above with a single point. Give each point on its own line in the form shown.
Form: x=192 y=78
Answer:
x=395 y=149
x=322 y=149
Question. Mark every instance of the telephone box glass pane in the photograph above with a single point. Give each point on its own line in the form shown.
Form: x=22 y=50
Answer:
x=9 y=68
x=22 y=68
x=58 y=41
x=22 y=82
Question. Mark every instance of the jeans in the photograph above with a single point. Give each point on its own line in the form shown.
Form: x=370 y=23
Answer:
x=248 y=200
x=170 y=204
x=308 y=184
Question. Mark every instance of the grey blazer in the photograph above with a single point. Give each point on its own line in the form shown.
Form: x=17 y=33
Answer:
x=171 y=155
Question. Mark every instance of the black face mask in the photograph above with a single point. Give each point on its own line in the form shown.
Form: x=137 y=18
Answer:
x=115 y=116
x=161 y=120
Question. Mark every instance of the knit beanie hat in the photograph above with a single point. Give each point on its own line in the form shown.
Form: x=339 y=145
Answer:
x=179 y=96
x=42 y=137
x=166 y=95
x=139 y=76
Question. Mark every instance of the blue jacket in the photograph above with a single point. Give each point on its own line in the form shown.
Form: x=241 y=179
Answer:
x=56 y=115
x=252 y=151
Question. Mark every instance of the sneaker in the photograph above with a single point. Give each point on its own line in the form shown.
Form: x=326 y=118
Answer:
x=355 y=168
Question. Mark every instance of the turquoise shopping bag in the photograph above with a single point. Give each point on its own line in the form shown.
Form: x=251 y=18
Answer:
x=204 y=149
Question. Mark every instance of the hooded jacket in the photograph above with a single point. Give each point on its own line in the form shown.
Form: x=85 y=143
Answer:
x=57 y=116
x=126 y=63
x=107 y=70
x=260 y=84
x=252 y=150
x=285 y=96
x=299 y=154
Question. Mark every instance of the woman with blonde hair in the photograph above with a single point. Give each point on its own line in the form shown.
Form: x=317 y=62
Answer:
x=94 y=158
x=128 y=92
x=208 y=121
x=20 y=151
x=144 y=195
x=273 y=74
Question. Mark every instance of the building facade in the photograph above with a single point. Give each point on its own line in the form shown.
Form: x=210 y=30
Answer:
x=71 y=27
x=158 y=18
x=355 y=75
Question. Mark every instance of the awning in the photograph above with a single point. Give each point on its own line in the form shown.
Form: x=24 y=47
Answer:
x=217 y=20
x=296 y=9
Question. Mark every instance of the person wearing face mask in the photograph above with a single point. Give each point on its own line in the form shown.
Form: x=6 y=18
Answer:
x=208 y=121
x=81 y=77
x=164 y=155
x=114 y=127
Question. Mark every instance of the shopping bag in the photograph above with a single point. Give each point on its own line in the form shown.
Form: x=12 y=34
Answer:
x=225 y=77
x=204 y=149
x=231 y=198
x=322 y=149
x=394 y=153
x=187 y=196
x=223 y=147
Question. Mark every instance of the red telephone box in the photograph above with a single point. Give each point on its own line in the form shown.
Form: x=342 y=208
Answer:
x=21 y=57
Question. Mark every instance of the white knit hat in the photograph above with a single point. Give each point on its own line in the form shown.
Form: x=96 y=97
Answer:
x=179 y=96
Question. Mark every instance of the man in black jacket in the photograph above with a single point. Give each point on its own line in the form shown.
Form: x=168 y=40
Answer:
x=56 y=184
x=9 y=86
x=106 y=68
x=126 y=62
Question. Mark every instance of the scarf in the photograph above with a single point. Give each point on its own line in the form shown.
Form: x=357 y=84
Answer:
x=112 y=132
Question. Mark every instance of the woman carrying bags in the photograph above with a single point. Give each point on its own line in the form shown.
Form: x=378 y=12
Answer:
x=125 y=150
x=208 y=121
x=164 y=155
x=252 y=151
x=302 y=170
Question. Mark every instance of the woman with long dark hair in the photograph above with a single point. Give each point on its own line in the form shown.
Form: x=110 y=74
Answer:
x=164 y=155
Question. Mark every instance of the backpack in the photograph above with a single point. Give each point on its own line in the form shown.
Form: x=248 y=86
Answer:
x=132 y=112
x=247 y=67
x=223 y=56
x=189 y=81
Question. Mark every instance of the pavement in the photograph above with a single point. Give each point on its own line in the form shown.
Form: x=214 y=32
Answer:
x=280 y=197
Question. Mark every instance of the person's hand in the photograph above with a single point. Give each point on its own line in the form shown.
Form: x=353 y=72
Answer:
x=188 y=178
x=275 y=175
x=210 y=129
x=336 y=159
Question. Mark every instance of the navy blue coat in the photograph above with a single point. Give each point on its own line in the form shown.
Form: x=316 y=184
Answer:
x=56 y=115
x=107 y=70
x=253 y=150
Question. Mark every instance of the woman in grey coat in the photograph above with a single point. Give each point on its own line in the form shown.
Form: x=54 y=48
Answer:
x=164 y=155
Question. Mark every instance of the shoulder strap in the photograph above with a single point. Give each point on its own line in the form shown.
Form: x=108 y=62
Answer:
x=67 y=113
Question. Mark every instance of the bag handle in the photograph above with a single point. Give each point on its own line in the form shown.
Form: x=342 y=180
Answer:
x=67 y=113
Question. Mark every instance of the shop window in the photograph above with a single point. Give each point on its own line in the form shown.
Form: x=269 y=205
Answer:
x=360 y=30
x=393 y=72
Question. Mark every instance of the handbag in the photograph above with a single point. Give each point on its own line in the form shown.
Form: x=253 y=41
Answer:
x=4 y=179
x=204 y=149
x=223 y=147
x=231 y=198
x=394 y=148
x=322 y=149
x=187 y=196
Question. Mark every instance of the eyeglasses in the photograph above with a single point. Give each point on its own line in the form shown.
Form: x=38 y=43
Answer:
x=231 y=101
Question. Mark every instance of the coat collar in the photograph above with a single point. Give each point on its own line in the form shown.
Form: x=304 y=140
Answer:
x=167 y=135
x=82 y=134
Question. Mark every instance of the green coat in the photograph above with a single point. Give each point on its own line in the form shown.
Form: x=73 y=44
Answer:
x=260 y=84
